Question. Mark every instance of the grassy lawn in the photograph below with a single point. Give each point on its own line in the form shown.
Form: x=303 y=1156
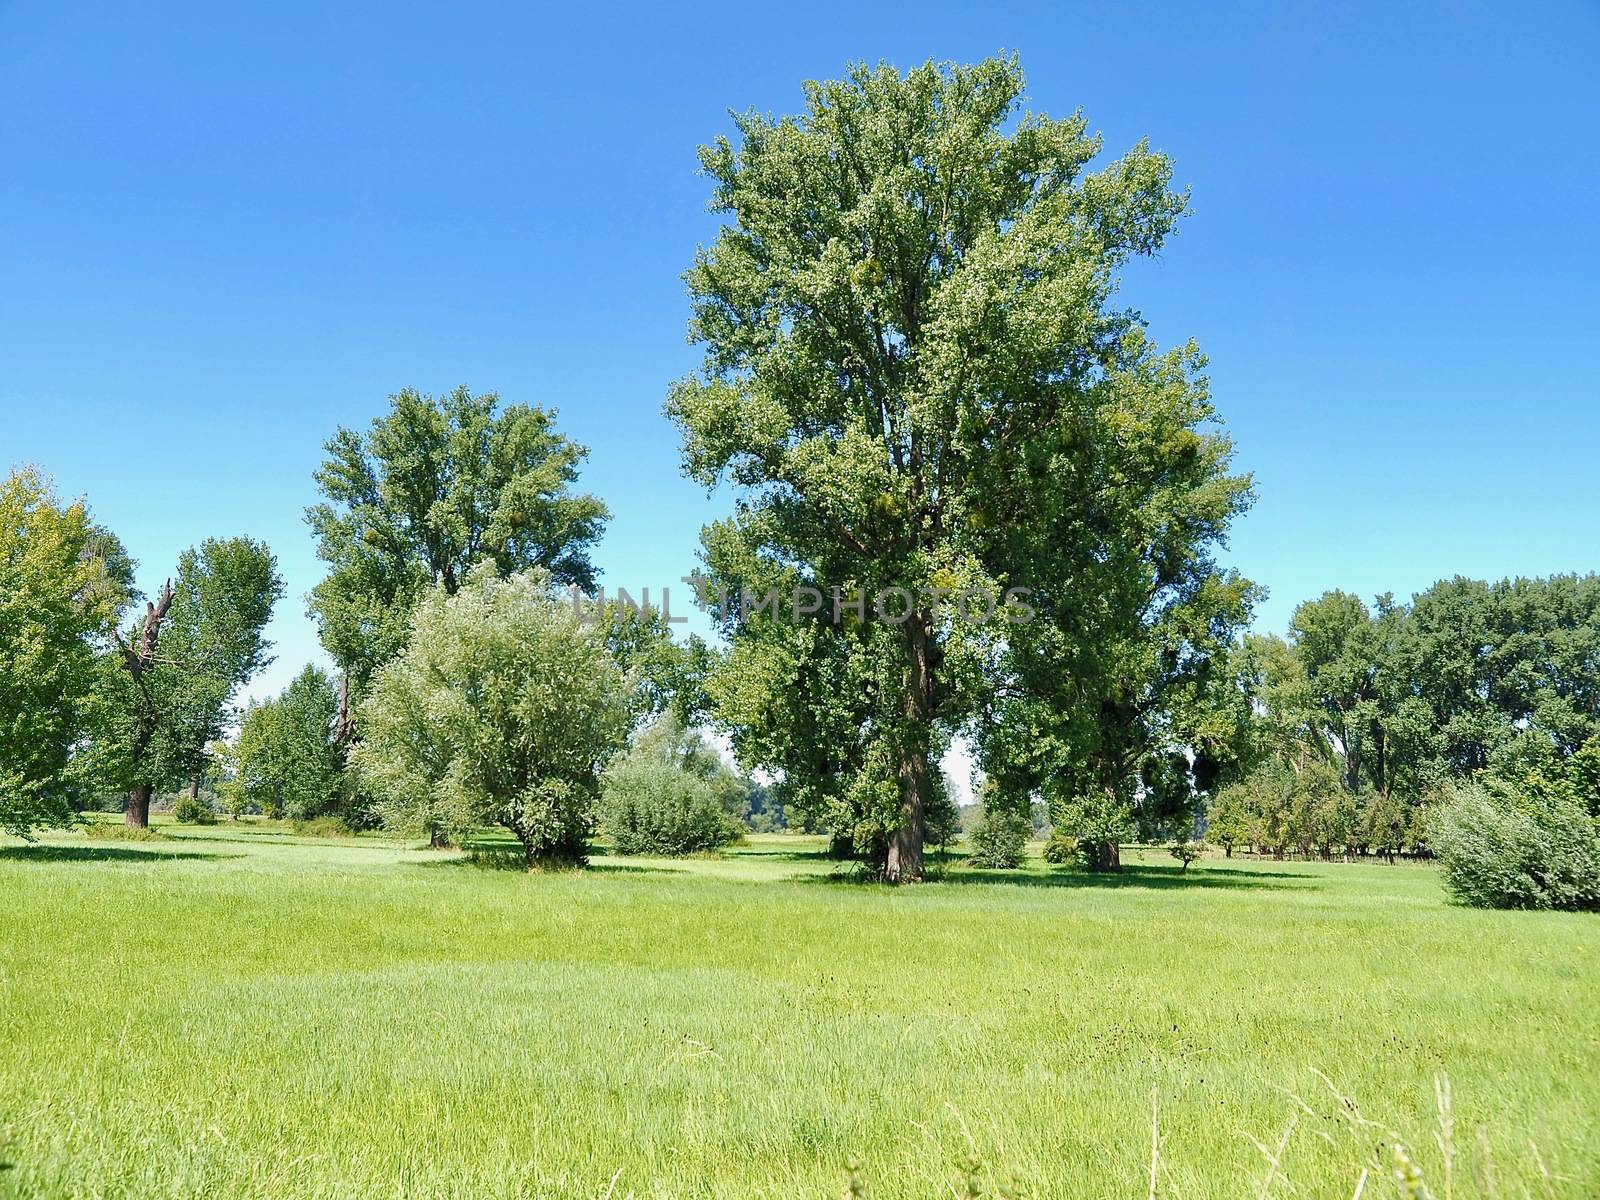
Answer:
x=235 y=1011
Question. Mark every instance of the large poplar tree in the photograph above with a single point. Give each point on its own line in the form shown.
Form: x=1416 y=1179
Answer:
x=917 y=376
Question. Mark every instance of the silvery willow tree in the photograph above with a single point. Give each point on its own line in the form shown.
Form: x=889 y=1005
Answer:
x=503 y=708
x=916 y=377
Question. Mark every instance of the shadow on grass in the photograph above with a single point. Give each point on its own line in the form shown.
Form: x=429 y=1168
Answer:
x=43 y=853
x=1131 y=876
x=779 y=853
x=1135 y=876
x=625 y=868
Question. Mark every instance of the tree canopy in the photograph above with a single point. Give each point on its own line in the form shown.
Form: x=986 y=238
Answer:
x=502 y=709
x=58 y=602
x=917 y=378
x=166 y=691
x=435 y=486
x=285 y=759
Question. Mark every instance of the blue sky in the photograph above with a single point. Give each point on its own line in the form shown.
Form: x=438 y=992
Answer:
x=228 y=229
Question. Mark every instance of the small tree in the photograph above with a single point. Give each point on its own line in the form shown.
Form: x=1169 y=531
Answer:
x=1101 y=820
x=501 y=710
x=1187 y=852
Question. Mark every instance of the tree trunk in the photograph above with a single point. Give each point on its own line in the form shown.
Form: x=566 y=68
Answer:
x=138 y=814
x=194 y=787
x=1105 y=856
x=437 y=839
x=904 y=863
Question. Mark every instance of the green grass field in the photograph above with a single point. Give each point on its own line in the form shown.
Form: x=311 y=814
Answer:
x=235 y=1011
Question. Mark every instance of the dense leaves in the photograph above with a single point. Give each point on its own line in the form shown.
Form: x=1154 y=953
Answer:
x=285 y=759
x=58 y=602
x=167 y=690
x=671 y=794
x=1346 y=732
x=916 y=378
x=434 y=487
x=1522 y=852
x=502 y=710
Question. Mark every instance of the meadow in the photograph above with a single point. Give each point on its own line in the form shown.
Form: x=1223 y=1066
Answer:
x=236 y=1011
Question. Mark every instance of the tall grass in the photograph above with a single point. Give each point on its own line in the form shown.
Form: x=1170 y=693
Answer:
x=239 y=1011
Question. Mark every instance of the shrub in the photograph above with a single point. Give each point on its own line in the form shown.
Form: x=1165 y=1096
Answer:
x=1517 y=852
x=1062 y=848
x=998 y=839
x=324 y=826
x=108 y=831
x=650 y=805
x=193 y=810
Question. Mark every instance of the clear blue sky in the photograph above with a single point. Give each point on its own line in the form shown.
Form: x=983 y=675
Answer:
x=224 y=232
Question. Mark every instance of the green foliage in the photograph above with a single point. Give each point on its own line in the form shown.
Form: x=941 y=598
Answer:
x=670 y=794
x=1531 y=852
x=1187 y=852
x=998 y=839
x=194 y=810
x=1397 y=700
x=164 y=696
x=285 y=759
x=941 y=396
x=501 y=710
x=434 y=487
x=1305 y=810
x=1099 y=822
x=323 y=826
x=1060 y=849
x=654 y=807
x=58 y=602
x=105 y=832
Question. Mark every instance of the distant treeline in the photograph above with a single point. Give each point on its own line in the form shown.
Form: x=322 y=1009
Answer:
x=1346 y=731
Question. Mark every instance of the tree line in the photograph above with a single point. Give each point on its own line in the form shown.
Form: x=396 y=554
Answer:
x=920 y=377
x=1363 y=714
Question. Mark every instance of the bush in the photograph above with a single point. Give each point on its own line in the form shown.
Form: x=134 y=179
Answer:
x=499 y=711
x=109 y=831
x=998 y=839
x=325 y=826
x=1062 y=848
x=653 y=806
x=1517 y=852
x=193 y=810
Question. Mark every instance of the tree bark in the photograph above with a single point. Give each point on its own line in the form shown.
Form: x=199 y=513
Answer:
x=194 y=787
x=904 y=863
x=1105 y=856
x=138 y=814
x=437 y=839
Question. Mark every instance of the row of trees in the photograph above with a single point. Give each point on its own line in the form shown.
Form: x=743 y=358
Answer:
x=920 y=380
x=1349 y=727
